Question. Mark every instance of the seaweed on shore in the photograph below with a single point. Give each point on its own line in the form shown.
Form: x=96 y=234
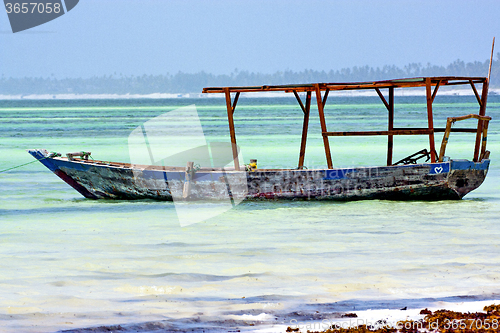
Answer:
x=440 y=321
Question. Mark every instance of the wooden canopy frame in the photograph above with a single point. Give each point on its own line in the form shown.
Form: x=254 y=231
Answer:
x=322 y=90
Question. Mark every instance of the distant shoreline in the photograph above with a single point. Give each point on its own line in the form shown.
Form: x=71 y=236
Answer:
x=352 y=93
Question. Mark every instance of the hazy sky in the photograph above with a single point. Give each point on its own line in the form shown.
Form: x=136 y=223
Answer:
x=138 y=37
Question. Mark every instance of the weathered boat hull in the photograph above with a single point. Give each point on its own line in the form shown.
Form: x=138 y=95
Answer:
x=428 y=181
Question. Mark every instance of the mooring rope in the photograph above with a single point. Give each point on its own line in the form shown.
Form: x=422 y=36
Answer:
x=21 y=165
x=18 y=166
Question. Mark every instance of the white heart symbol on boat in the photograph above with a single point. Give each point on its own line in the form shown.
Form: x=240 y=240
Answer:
x=438 y=169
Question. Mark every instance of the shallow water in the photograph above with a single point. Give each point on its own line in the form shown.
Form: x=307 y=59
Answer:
x=67 y=263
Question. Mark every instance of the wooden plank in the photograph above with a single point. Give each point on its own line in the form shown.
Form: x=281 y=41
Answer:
x=305 y=125
x=446 y=136
x=232 y=132
x=323 y=127
x=491 y=59
x=390 y=138
x=382 y=98
x=480 y=122
x=441 y=129
x=464 y=82
x=235 y=101
x=300 y=101
x=435 y=91
x=401 y=131
x=482 y=108
x=457 y=130
x=188 y=180
x=327 y=91
x=452 y=120
x=485 y=138
x=475 y=92
x=367 y=133
x=430 y=120
x=469 y=116
x=400 y=83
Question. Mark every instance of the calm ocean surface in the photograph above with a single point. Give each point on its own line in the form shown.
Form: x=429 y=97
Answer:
x=68 y=263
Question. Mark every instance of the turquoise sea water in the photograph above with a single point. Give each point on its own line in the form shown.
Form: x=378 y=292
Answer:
x=68 y=263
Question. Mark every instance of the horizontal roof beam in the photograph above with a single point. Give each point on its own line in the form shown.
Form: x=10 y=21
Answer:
x=398 y=83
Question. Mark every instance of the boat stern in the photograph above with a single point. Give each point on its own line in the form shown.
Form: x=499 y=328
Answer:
x=465 y=176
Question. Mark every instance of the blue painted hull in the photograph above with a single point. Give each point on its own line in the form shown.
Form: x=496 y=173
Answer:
x=427 y=181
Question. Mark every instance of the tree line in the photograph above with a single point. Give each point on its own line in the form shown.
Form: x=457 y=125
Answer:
x=195 y=82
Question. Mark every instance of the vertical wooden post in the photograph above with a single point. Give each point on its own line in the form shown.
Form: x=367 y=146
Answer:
x=430 y=120
x=188 y=180
x=480 y=123
x=446 y=137
x=482 y=109
x=323 y=126
x=390 y=140
x=304 y=130
x=485 y=138
x=230 y=111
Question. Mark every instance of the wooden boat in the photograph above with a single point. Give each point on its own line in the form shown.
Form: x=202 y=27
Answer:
x=408 y=179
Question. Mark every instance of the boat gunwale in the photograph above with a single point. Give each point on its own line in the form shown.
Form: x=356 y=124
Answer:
x=131 y=166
